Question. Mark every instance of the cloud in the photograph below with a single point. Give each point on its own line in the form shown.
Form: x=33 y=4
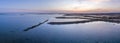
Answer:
x=90 y=4
x=93 y=1
x=99 y=1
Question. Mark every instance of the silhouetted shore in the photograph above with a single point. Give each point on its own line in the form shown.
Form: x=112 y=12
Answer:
x=106 y=17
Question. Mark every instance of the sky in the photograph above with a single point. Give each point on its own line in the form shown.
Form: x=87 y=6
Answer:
x=60 y=5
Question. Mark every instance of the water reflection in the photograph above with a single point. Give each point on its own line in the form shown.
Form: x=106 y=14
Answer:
x=12 y=26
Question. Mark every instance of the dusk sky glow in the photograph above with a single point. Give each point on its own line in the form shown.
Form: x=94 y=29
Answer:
x=61 y=5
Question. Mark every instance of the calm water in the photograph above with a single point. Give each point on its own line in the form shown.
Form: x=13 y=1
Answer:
x=12 y=28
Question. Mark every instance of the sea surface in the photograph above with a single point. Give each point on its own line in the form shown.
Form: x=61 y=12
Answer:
x=13 y=26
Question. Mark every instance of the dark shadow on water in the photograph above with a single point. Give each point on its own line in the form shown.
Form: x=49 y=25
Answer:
x=89 y=18
x=34 y=26
x=70 y=22
x=84 y=21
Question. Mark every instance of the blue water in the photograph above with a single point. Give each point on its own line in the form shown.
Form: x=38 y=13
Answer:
x=12 y=30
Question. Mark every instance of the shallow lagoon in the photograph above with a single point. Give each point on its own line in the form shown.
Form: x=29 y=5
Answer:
x=12 y=28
